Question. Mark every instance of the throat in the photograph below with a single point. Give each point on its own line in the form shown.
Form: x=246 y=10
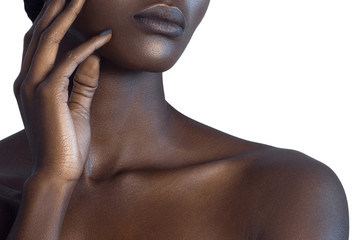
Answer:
x=130 y=121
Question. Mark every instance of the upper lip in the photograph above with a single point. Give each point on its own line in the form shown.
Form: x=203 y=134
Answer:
x=163 y=12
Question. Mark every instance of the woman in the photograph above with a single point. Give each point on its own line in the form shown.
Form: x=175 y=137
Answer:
x=116 y=161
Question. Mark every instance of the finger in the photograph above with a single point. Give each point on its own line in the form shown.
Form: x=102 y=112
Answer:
x=80 y=53
x=42 y=16
x=85 y=84
x=47 y=49
x=47 y=15
x=31 y=38
x=58 y=80
x=29 y=33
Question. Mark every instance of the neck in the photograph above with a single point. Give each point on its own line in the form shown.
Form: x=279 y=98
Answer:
x=129 y=118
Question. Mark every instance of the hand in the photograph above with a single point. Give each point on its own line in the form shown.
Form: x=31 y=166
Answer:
x=57 y=127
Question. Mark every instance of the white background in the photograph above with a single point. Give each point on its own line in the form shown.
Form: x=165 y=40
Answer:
x=279 y=72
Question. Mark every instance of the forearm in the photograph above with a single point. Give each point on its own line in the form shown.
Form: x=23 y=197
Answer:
x=42 y=210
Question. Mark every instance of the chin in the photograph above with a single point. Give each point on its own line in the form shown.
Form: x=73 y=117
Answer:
x=147 y=35
x=154 y=54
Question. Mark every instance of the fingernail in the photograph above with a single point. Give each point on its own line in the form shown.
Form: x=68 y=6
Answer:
x=106 y=32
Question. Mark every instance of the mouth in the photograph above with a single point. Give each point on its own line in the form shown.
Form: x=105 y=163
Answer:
x=162 y=19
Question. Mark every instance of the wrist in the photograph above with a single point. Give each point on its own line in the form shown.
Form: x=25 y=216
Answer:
x=40 y=179
x=56 y=174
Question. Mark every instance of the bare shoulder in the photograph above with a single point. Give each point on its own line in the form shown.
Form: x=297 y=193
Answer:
x=14 y=168
x=15 y=160
x=294 y=196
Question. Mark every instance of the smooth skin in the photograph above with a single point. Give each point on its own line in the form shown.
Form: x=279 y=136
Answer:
x=114 y=160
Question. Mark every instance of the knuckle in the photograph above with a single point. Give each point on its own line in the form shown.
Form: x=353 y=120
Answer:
x=16 y=87
x=97 y=45
x=25 y=90
x=86 y=92
x=49 y=36
x=44 y=90
x=73 y=56
x=39 y=28
x=74 y=12
x=86 y=79
x=28 y=36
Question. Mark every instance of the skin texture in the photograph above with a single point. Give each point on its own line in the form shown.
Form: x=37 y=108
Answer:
x=116 y=161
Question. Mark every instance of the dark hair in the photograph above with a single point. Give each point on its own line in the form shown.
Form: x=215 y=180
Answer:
x=33 y=8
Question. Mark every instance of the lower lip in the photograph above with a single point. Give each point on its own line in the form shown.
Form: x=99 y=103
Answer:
x=159 y=26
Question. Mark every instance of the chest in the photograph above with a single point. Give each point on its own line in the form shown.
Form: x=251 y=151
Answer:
x=155 y=207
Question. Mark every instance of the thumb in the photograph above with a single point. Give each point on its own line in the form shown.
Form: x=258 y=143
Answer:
x=84 y=86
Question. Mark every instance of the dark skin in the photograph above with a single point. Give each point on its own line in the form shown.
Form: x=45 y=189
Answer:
x=116 y=161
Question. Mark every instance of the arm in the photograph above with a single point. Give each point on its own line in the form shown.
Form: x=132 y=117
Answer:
x=57 y=126
x=42 y=209
x=311 y=206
